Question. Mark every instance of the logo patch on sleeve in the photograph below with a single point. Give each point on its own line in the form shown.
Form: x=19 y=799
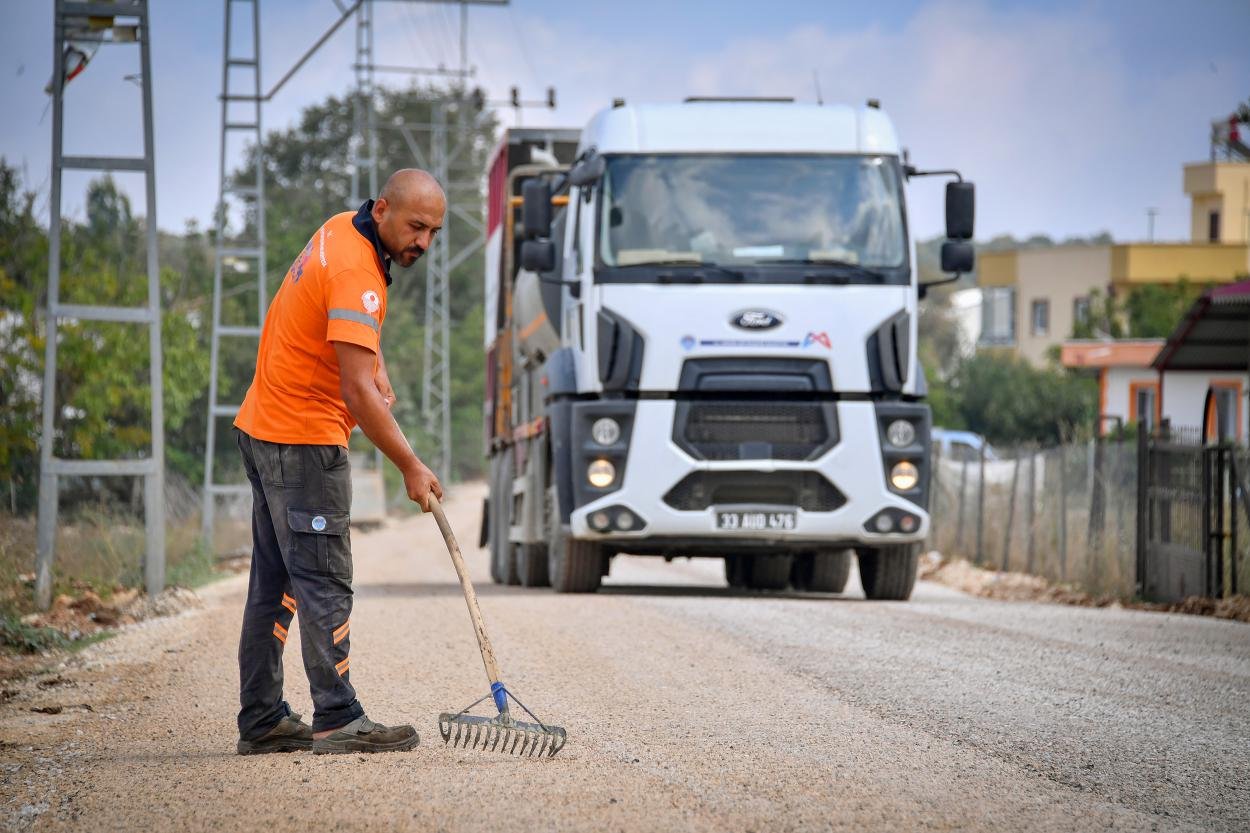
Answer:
x=371 y=301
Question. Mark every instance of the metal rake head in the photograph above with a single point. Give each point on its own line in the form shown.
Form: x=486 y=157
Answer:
x=501 y=733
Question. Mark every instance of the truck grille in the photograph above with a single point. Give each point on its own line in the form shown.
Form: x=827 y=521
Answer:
x=754 y=429
x=807 y=490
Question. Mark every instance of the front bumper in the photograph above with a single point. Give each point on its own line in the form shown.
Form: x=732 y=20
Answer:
x=656 y=464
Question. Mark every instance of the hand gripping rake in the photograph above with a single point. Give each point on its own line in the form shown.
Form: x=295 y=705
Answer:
x=501 y=732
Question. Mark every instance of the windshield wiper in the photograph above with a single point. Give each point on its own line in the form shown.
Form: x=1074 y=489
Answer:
x=695 y=275
x=841 y=271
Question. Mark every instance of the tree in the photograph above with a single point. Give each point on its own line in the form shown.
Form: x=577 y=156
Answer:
x=102 y=389
x=1007 y=400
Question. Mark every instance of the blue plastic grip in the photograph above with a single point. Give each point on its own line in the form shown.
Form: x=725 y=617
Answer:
x=501 y=696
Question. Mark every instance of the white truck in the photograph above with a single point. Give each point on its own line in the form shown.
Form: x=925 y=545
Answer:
x=701 y=342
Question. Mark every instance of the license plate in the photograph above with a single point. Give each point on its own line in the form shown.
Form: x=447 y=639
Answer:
x=755 y=521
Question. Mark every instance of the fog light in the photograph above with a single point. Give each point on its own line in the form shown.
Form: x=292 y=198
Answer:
x=904 y=476
x=605 y=431
x=601 y=473
x=600 y=520
x=624 y=521
x=884 y=523
x=907 y=523
x=900 y=433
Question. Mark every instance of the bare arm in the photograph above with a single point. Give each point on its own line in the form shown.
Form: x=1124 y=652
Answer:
x=383 y=381
x=359 y=389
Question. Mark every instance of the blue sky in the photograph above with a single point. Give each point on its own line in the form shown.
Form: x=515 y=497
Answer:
x=1072 y=117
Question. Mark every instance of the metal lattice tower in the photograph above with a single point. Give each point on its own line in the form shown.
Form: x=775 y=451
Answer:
x=230 y=253
x=70 y=22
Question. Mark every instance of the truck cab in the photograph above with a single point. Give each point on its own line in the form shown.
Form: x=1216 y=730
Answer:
x=701 y=342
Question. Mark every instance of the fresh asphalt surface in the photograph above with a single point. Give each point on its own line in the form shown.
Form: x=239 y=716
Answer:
x=688 y=706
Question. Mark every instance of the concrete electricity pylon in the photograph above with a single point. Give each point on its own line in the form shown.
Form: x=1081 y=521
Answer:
x=79 y=28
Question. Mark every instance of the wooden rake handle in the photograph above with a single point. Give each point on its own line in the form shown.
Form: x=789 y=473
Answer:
x=470 y=597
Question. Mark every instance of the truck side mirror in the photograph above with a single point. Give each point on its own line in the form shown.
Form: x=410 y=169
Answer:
x=589 y=172
x=960 y=199
x=536 y=208
x=957 y=256
x=538 y=255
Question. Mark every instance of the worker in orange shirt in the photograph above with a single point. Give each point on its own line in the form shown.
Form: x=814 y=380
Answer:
x=319 y=372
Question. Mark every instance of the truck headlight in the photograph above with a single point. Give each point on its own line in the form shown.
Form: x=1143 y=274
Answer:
x=601 y=473
x=904 y=476
x=900 y=433
x=605 y=431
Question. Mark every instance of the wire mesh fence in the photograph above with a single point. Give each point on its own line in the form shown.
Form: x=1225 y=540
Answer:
x=1067 y=513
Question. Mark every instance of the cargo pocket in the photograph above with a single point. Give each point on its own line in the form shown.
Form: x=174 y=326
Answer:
x=320 y=541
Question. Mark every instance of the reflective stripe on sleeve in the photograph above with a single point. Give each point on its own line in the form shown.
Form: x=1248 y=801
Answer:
x=358 y=317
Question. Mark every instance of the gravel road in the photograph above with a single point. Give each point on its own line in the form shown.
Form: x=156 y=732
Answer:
x=688 y=707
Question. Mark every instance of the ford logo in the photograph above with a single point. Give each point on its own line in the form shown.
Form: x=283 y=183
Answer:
x=756 y=319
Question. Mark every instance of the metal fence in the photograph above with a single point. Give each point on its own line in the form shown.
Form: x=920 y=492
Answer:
x=1079 y=515
x=1067 y=513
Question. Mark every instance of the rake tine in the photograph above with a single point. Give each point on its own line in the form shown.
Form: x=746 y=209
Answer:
x=526 y=741
x=543 y=749
x=516 y=738
x=541 y=744
x=476 y=735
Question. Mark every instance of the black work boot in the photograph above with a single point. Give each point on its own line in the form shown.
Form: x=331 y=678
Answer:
x=363 y=735
x=290 y=735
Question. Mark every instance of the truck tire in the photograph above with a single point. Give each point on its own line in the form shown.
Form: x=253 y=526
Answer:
x=736 y=570
x=769 y=572
x=573 y=566
x=889 y=573
x=502 y=558
x=824 y=571
x=531 y=565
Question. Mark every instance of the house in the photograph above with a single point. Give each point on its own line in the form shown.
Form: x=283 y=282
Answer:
x=1204 y=368
x=1199 y=376
x=1033 y=297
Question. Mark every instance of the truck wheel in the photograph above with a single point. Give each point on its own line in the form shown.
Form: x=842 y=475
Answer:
x=824 y=571
x=531 y=565
x=889 y=573
x=502 y=559
x=769 y=572
x=736 y=570
x=573 y=566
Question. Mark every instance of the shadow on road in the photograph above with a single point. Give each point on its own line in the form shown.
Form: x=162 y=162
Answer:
x=415 y=589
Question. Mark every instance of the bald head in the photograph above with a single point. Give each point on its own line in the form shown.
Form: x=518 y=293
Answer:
x=408 y=213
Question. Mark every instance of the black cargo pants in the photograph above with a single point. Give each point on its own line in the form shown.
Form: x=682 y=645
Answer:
x=301 y=562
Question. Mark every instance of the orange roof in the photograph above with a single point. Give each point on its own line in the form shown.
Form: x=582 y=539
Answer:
x=1122 y=353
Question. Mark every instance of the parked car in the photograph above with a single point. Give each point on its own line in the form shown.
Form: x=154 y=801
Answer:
x=958 y=446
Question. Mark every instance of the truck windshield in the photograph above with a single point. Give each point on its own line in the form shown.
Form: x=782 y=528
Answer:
x=744 y=213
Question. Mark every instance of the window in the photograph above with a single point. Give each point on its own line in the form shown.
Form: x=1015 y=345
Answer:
x=1080 y=310
x=1143 y=403
x=998 y=315
x=1040 y=316
x=1223 y=418
x=1213 y=227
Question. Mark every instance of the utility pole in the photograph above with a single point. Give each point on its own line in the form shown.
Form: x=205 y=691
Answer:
x=1150 y=224
x=77 y=23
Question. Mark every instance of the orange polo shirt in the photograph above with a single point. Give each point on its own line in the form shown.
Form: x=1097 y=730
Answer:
x=334 y=291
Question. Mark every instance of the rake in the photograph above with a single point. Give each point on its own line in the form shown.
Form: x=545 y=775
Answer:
x=503 y=732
